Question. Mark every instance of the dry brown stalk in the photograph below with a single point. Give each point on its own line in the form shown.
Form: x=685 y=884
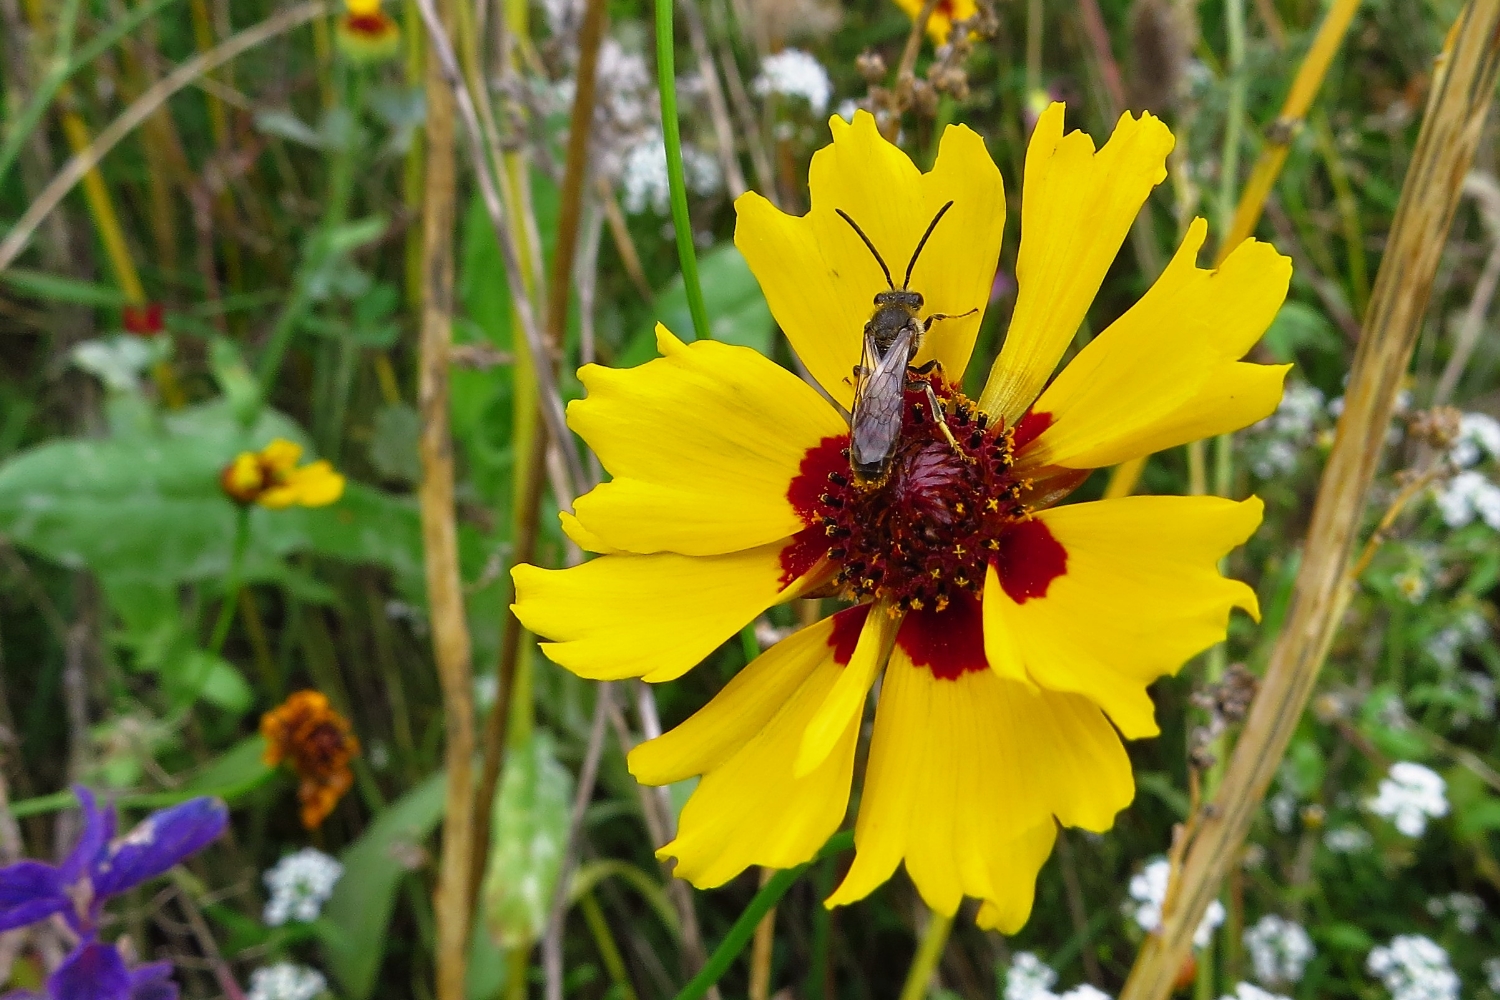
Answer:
x=1463 y=86
x=450 y=631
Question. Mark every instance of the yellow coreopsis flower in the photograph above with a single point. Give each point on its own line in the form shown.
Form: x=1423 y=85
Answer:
x=1015 y=636
x=940 y=23
x=272 y=478
x=366 y=32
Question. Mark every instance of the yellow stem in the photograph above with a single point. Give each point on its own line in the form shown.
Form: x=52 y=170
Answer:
x=929 y=952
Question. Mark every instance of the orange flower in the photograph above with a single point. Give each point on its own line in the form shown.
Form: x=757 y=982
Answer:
x=272 y=478
x=319 y=743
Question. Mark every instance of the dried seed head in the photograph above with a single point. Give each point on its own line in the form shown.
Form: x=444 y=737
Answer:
x=1438 y=427
x=871 y=66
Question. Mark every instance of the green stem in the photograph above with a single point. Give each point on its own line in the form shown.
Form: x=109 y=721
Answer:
x=666 y=81
x=744 y=928
x=926 y=960
x=58 y=801
x=336 y=211
x=749 y=643
x=231 y=581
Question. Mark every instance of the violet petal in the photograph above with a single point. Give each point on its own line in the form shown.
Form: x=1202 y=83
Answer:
x=30 y=891
x=152 y=981
x=98 y=829
x=93 y=971
x=157 y=843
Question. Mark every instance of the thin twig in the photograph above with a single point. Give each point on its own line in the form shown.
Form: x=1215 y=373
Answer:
x=552 y=958
x=1463 y=87
x=86 y=159
x=1484 y=189
x=904 y=68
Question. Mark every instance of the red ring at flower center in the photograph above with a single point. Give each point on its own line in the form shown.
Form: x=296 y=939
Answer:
x=923 y=536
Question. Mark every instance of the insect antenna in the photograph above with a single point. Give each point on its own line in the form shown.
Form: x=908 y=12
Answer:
x=855 y=226
x=922 y=243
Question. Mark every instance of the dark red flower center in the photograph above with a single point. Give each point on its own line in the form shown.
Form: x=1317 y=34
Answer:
x=926 y=534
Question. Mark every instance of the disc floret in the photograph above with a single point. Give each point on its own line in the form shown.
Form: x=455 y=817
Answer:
x=926 y=531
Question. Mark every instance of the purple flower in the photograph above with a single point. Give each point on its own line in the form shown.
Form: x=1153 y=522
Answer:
x=100 y=866
x=97 y=971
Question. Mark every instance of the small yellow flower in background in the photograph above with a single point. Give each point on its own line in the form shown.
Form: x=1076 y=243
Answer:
x=272 y=478
x=1016 y=637
x=943 y=16
x=366 y=33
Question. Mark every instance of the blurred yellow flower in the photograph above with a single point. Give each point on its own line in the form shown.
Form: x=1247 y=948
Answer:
x=943 y=16
x=272 y=478
x=367 y=33
x=1017 y=637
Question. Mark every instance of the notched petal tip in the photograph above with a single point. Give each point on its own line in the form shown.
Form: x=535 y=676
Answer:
x=159 y=842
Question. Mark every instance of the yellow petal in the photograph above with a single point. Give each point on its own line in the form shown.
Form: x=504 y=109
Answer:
x=740 y=709
x=281 y=455
x=1076 y=208
x=581 y=536
x=651 y=616
x=318 y=485
x=1168 y=361
x=821 y=280
x=846 y=698
x=966 y=776
x=702 y=444
x=750 y=808
x=1141 y=595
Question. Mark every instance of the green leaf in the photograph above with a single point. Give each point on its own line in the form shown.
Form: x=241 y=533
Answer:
x=354 y=925
x=242 y=765
x=1299 y=327
x=530 y=822
x=737 y=310
x=58 y=289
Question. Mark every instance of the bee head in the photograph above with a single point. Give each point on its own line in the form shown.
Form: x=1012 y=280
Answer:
x=909 y=300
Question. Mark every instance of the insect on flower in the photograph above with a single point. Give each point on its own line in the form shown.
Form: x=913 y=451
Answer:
x=893 y=336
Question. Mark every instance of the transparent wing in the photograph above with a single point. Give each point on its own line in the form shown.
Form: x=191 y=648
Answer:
x=879 y=394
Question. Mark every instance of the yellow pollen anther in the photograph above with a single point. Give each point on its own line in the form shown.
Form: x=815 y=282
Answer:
x=992 y=504
x=942 y=602
x=916 y=604
x=992 y=544
x=958 y=508
x=935 y=573
x=958 y=550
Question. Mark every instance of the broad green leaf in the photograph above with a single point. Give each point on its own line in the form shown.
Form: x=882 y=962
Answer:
x=530 y=823
x=354 y=923
x=737 y=311
x=241 y=766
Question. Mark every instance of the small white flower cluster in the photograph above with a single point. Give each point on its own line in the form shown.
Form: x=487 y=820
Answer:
x=1149 y=890
x=643 y=175
x=1029 y=978
x=1413 y=967
x=1466 y=496
x=1492 y=974
x=795 y=73
x=1348 y=839
x=1409 y=796
x=1445 y=645
x=285 y=981
x=1249 y=991
x=1478 y=438
x=1471 y=494
x=300 y=884
x=1465 y=908
x=1287 y=431
x=1279 y=949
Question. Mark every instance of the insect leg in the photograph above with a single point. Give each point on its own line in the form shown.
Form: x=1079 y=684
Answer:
x=927 y=323
x=937 y=409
